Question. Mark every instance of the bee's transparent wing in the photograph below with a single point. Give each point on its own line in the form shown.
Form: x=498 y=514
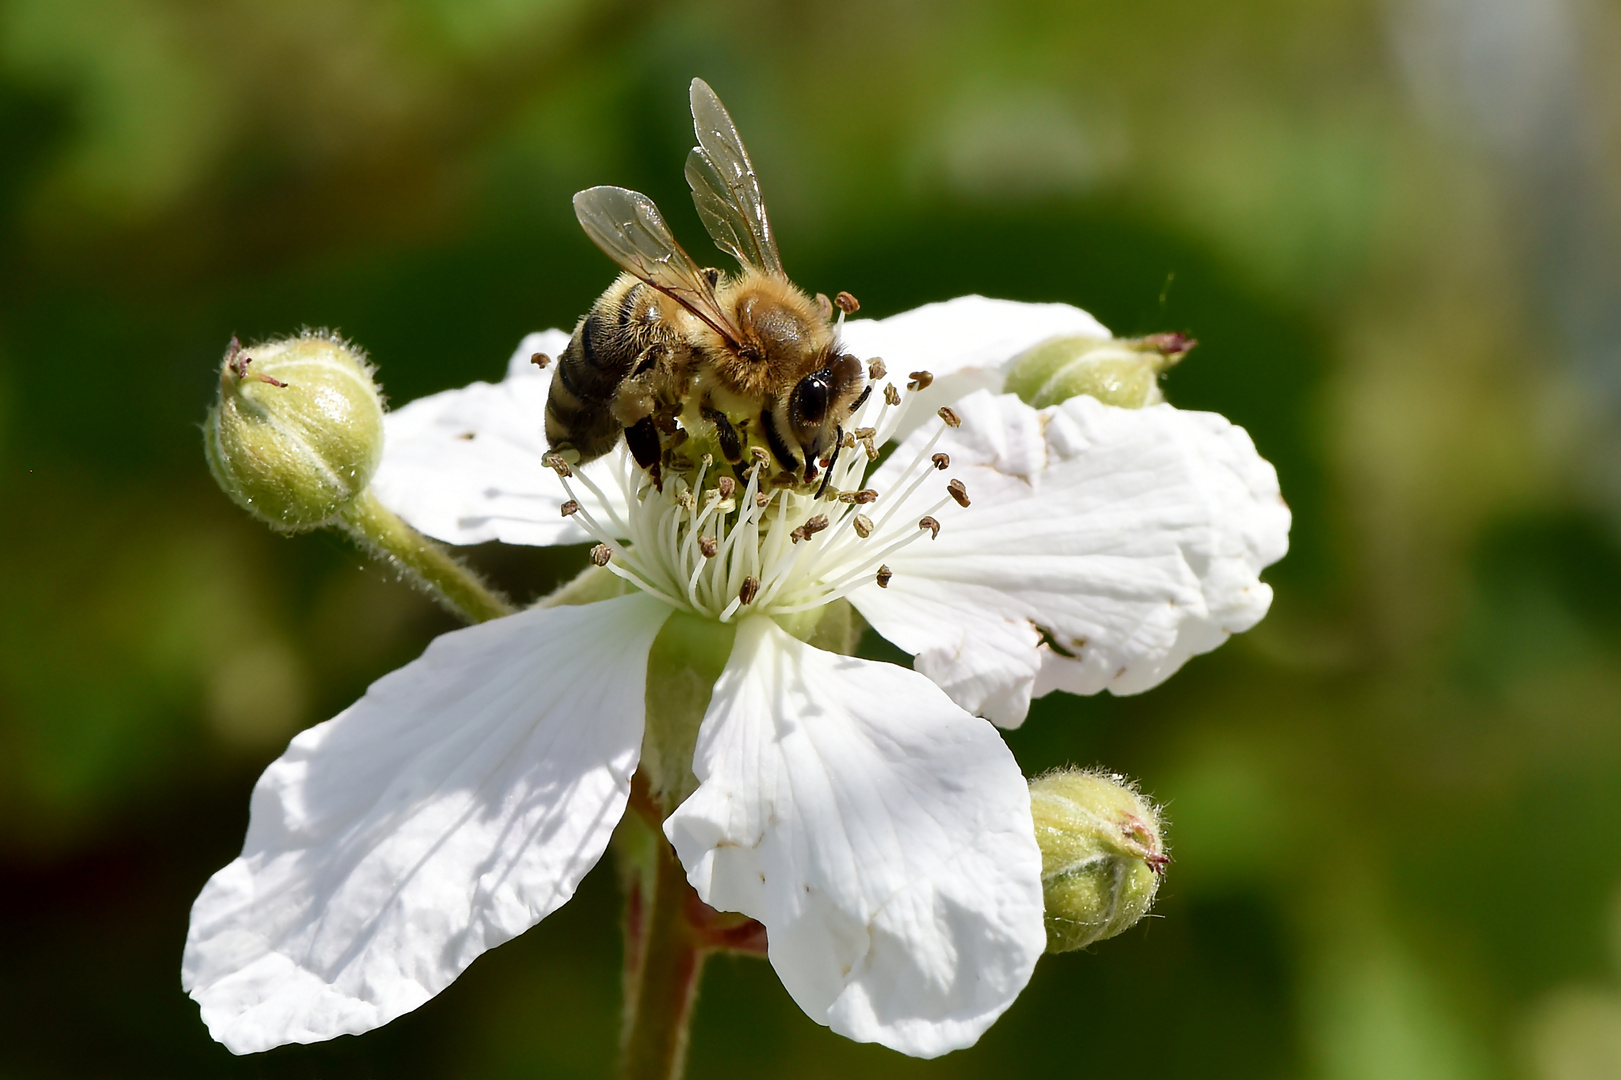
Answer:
x=627 y=227
x=724 y=187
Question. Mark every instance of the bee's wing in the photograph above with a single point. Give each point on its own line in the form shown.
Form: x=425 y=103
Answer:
x=724 y=187
x=627 y=227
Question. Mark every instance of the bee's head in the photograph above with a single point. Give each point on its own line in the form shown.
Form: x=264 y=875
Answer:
x=823 y=400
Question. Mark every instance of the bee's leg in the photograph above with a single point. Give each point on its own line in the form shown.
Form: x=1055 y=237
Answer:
x=731 y=447
x=832 y=460
x=774 y=439
x=643 y=439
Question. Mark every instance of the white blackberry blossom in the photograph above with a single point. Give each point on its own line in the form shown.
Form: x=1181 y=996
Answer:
x=868 y=816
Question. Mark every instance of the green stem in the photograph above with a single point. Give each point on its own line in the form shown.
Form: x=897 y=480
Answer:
x=665 y=957
x=438 y=573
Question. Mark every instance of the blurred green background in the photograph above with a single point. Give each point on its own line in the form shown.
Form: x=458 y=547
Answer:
x=1395 y=806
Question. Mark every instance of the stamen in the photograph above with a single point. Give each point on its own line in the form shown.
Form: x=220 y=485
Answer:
x=951 y=418
x=863 y=525
x=876 y=369
x=540 y=359
x=570 y=507
x=892 y=395
x=601 y=554
x=885 y=574
x=811 y=527
x=959 y=491
x=932 y=525
x=942 y=461
x=708 y=545
x=920 y=380
x=750 y=589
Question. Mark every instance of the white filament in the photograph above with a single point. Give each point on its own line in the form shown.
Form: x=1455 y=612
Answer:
x=656 y=546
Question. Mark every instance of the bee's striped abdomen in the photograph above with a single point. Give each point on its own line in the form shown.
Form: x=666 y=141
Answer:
x=608 y=344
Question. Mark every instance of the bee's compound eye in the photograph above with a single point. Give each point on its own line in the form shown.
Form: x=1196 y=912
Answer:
x=807 y=407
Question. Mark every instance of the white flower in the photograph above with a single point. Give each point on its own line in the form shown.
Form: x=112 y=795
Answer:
x=864 y=813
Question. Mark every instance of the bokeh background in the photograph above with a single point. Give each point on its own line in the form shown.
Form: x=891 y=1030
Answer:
x=1395 y=806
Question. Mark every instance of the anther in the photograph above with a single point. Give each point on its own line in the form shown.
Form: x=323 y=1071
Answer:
x=708 y=545
x=884 y=574
x=959 y=491
x=930 y=524
x=750 y=589
x=557 y=463
x=865 y=496
x=863 y=525
x=876 y=369
x=871 y=450
x=726 y=485
x=570 y=508
x=601 y=554
x=847 y=303
x=760 y=499
x=809 y=529
x=892 y=395
x=941 y=461
x=951 y=418
x=849 y=441
x=920 y=380
x=540 y=359
x=760 y=455
x=864 y=433
x=687 y=502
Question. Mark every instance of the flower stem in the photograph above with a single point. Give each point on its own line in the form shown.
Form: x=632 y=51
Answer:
x=428 y=565
x=664 y=959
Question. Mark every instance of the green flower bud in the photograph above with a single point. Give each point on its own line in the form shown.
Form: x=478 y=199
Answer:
x=1101 y=855
x=298 y=429
x=1117 y=371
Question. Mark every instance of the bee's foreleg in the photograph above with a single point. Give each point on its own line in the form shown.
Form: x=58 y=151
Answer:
x=643 y=439
x=731 y=445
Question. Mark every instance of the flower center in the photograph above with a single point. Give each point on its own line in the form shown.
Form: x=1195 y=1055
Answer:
x=719 y=541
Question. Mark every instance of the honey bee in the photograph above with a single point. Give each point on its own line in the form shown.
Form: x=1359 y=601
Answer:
x=672 y=350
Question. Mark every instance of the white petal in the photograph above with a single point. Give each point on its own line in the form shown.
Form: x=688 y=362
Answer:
x=454 y=806
x=964 y=343
x=881 y=834
x=465 y=466
x=1135 y=537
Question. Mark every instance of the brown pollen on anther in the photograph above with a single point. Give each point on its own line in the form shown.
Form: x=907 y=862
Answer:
x=930 y=524
x=951 y=418
x=865 y=496
x=884 y=574
x=750 y=589
x=863 y=525
x=708 y=545
x=847 y=303
x=959 y=491
x=558 y=464
x=920 y=380
x=570 y=507
x=941 y=461
x=892 y=395
x=760 y=499
x=726 y=485
x=876 y=370
x=601 y=554
x=540 y=359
